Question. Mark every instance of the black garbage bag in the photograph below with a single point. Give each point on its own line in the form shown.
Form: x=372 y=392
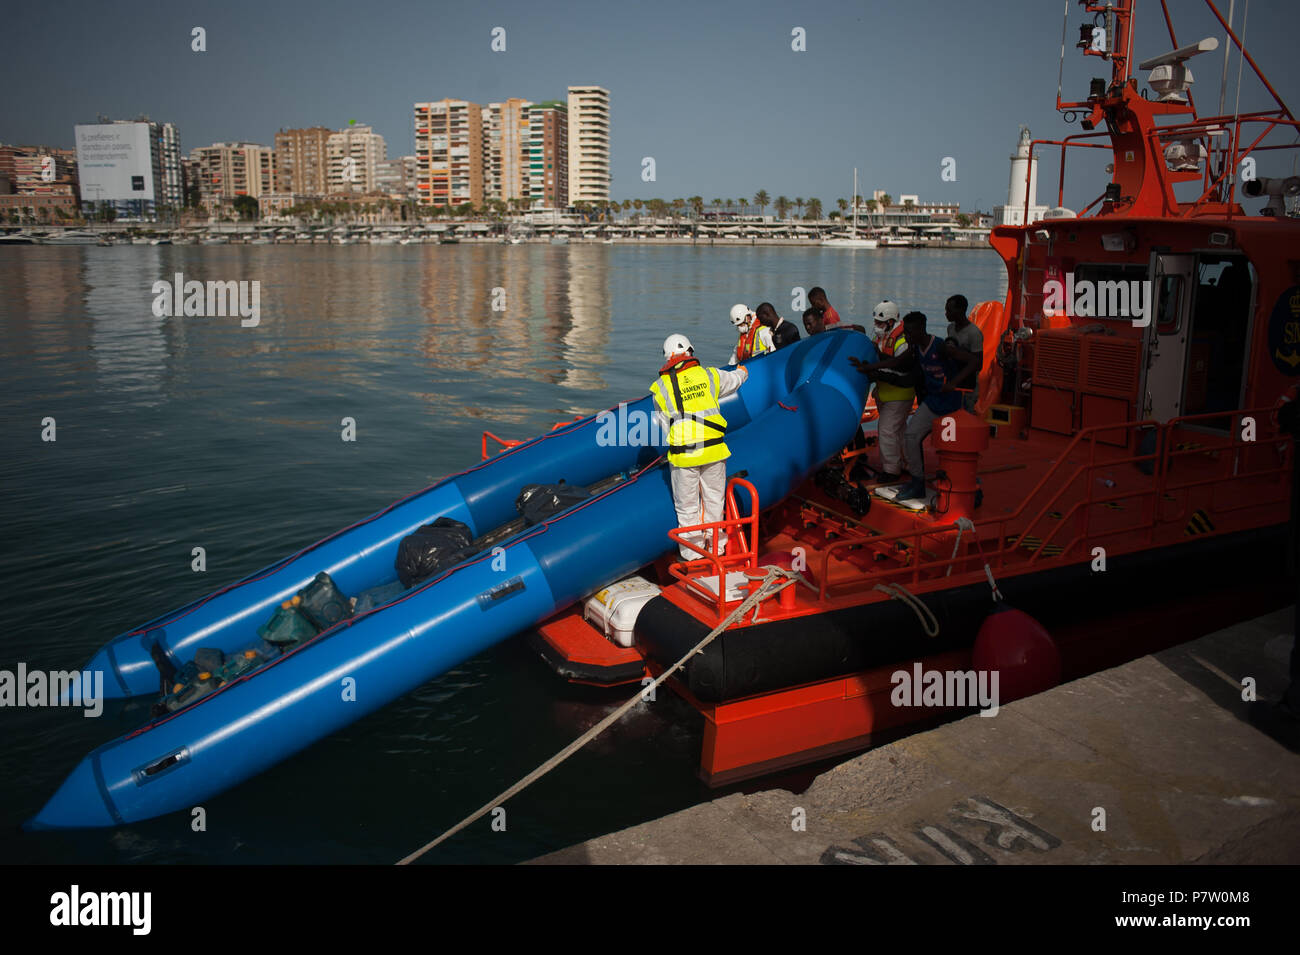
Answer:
x=537 y=502
x=831 y=480
x=431 y=548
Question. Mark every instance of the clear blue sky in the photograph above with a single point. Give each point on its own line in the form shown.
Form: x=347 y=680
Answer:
x=711 y=90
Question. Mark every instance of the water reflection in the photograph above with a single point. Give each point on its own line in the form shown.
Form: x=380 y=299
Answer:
x=485 y=330
x=127 y=341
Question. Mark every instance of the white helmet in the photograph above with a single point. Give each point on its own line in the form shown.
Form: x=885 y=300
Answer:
x=677 y=345
x=886 y=311
x=741 y=316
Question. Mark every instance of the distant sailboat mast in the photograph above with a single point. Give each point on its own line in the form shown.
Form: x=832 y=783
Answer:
x=854 y=200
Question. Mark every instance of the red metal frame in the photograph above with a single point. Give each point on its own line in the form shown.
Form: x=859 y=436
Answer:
x=1131 y=120
x=921 y=570
x=741 y=549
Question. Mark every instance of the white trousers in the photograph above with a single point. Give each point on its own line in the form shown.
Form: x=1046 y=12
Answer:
x=890 y=428
x=698 y=496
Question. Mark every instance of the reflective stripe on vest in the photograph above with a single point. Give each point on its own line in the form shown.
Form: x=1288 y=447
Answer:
x=892 y=384
x=891 y=341
x=751 y=345
x=689 y=399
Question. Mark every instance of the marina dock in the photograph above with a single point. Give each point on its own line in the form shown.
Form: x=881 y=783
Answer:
x=1153 y=762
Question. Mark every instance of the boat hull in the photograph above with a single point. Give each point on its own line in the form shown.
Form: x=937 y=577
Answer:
x=773 y=656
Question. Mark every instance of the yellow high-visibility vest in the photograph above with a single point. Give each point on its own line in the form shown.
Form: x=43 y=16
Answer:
x=751 y=343
x=889 y=384
x=688 y=397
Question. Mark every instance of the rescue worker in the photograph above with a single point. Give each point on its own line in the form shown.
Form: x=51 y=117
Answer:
x=925 y=358
x=755 y=338
x=894 y=392
x=687 y=398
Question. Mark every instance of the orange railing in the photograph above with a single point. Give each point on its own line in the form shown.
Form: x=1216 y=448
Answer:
x=504 y=442
x=741 y=552
x=922 y=565
x=511 y=443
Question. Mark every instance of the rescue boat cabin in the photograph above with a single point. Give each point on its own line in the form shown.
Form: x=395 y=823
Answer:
x=1125 y=482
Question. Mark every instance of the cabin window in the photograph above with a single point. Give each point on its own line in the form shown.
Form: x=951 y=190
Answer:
x=1219 y=330
x=1168 y=314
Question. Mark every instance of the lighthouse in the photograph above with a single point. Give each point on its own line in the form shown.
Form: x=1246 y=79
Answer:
x=1024 y=180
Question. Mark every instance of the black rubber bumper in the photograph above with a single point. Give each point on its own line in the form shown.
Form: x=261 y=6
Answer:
x=773 y=656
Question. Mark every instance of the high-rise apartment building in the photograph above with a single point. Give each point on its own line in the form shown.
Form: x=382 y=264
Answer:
x=396 y=177
x=588 y=144
x=302 y=157
x=38 y=183
x=505 y=140
x=514 y=149
x=227 y=170
x=170 y=179
x=133 y=163
x=547 y=169
x=38 y=171
x=352 y=154
x=449 y=153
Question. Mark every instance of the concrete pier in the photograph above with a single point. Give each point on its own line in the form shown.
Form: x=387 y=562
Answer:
x=1155 y=762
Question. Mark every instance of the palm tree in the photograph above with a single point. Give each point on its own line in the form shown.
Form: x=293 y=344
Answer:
x=782 y=206
x=814 y=209
x=697 y=204
x=886 y=200
x=744 y=205
x=798 y=206
x=843 y=205
x=761 y=199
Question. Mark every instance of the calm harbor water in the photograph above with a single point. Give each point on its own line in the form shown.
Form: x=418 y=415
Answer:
x=174 y=433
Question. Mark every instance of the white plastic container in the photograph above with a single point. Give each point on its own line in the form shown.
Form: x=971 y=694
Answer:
x=614 y=610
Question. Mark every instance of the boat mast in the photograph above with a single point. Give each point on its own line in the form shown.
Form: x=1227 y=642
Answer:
x=855 y=202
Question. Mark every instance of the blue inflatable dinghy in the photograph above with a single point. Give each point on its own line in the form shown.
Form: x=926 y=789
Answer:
x=799 y=407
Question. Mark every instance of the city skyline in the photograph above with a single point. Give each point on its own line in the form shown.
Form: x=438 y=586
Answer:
x=715 y=96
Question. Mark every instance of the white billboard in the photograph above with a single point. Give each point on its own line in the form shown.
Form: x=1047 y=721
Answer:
x=114 y=161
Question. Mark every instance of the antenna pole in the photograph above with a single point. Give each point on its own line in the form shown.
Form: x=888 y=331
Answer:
x=1227 y=52
x=1060 y=71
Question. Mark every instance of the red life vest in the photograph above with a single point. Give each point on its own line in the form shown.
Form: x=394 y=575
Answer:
x=890 y=341
x=750 y=345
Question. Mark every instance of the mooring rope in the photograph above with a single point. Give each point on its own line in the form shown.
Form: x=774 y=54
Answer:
x=929 y=622
x=756 y=596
